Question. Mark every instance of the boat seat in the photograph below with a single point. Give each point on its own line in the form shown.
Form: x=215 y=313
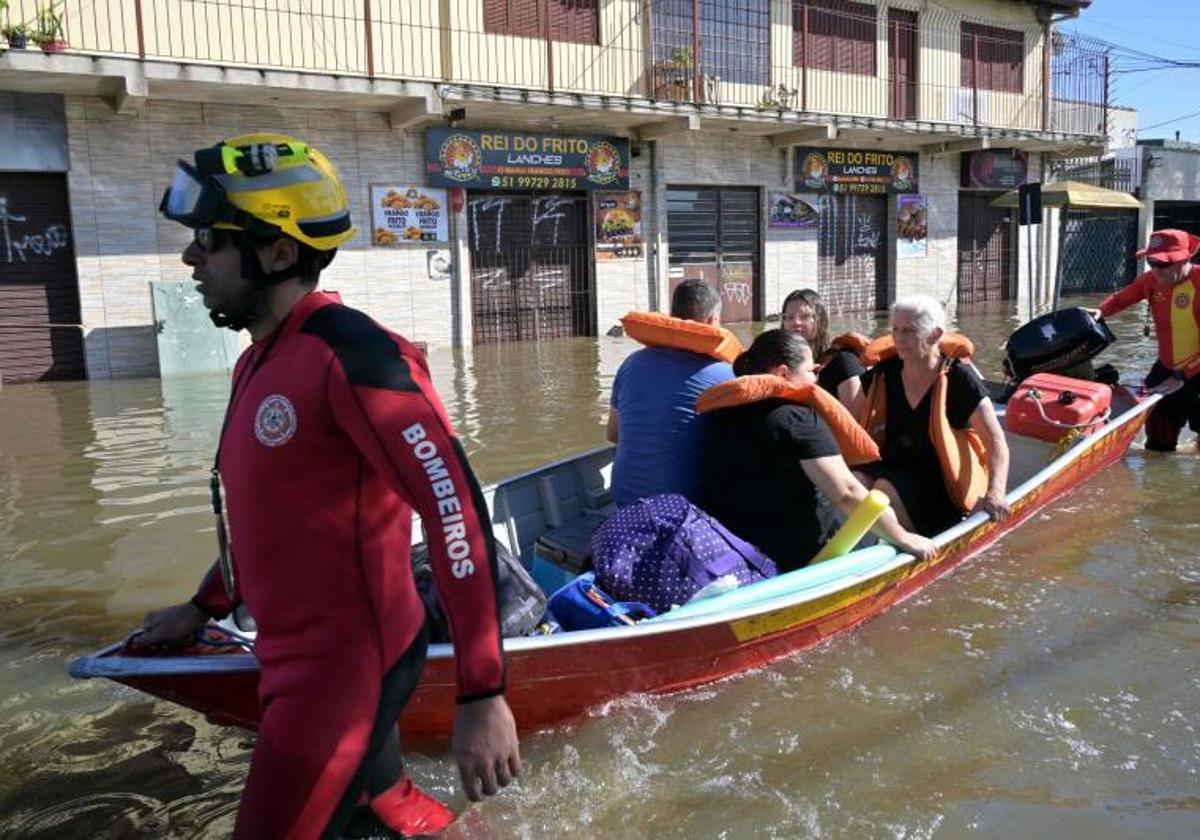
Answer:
x=563 y=553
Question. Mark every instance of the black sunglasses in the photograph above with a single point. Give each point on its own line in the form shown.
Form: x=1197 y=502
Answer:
x=210 y=239
x=1160 y=263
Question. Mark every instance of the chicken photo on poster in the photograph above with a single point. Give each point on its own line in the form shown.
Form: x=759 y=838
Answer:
x=408 y=215
x=618 y=225
x=790 y=210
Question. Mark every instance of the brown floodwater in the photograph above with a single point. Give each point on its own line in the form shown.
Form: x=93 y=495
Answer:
x=1047 y=688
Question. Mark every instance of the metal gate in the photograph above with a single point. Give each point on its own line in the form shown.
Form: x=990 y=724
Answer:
x=713 y=234
x=1097 y=249
x=40 y=332
x=852 y=252
x=986 y=249
x=530 y=267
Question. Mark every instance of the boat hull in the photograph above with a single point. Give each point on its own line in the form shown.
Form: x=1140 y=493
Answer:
x=556 y=678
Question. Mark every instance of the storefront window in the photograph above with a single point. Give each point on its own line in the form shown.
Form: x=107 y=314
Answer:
x=834 y=35
x=992 y=58
x=734 y=38
x=576 y=21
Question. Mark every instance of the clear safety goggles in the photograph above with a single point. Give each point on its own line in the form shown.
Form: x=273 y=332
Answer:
x=195 y=200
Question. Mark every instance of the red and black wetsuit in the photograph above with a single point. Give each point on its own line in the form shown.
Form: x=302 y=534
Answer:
x=334 y=435
x=1176 y=313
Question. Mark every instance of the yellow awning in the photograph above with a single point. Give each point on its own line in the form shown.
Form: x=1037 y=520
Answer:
x=1075 y=196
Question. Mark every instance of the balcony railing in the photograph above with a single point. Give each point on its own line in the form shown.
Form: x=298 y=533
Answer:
x=812 y=56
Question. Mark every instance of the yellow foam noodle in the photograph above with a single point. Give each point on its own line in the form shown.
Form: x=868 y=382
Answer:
x=857 y=523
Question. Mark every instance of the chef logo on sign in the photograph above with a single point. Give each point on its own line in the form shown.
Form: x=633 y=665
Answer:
x=460 y=158
x=603 y=163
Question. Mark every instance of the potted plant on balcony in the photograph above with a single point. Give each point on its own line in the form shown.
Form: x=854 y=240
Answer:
x=17 y=35
x=673 y=76
x=48 y=34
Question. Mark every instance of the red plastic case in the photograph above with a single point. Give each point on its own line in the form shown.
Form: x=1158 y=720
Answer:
x=1067 y=403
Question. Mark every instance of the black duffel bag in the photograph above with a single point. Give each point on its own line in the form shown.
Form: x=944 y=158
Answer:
x=522 y=601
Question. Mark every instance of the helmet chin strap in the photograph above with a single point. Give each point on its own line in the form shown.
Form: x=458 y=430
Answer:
x=254 y=304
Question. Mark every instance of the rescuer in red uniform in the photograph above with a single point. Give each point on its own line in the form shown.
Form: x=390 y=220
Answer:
x=1171 y=285
x=333 y=436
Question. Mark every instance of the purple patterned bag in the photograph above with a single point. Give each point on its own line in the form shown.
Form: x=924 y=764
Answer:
x=662 y=549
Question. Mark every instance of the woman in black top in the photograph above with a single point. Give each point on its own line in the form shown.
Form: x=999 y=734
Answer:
x=804 y=314
x=766 y=460
x=909 y=471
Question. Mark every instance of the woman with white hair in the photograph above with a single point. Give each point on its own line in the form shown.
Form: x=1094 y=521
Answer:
x=921 y=402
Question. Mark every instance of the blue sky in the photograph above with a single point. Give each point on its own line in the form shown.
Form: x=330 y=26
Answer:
x=1167 y=28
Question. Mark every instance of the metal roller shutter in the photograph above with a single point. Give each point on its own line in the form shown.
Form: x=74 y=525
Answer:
x=40 y=336
x=714 y=234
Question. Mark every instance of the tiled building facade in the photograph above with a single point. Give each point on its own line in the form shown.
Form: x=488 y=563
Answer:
x=697 y=138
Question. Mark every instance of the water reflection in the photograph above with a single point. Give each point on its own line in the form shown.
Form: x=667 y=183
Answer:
x=1046 y=688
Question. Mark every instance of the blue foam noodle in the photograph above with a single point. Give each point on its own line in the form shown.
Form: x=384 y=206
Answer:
x=855 y=563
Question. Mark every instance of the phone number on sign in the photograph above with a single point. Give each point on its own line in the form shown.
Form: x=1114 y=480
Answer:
x=534 y=182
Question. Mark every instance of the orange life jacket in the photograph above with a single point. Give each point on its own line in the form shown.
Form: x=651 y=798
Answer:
x=954 y=345
x=856 y=445
x=655 y=329
x=852 y=341
x=961 y=453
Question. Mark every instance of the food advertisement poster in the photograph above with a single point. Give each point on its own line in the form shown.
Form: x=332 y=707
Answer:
x=864 y=171
x=618 y=225
x=408 y=214
x=509 y=160
x=912 y=225
x=996 y=169
x=790 y=210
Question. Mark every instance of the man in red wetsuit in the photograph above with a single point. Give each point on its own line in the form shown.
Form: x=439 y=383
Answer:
x=333 y=435
x=1172 y=286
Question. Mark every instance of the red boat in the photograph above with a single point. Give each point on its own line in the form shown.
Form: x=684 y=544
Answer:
x=553 y=678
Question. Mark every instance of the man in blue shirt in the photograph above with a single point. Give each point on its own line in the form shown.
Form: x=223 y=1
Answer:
x=660 y=439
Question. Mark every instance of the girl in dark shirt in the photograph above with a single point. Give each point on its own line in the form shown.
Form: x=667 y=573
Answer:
x=766 y=460
x=804 y=314
x=909 y=471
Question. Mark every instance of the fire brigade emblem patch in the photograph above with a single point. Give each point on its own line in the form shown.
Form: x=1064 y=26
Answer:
x=275 y=422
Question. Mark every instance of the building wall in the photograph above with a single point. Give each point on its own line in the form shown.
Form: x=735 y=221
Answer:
x=936 y=272
x=1122 y=127
x=120 y=166
x=1171 y=172
x=726 y=159
x=445 y=40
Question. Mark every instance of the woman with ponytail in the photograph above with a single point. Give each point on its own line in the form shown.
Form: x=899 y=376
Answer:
x=768 y=457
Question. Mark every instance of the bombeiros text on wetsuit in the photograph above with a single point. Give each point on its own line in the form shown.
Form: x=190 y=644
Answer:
x=449 y=507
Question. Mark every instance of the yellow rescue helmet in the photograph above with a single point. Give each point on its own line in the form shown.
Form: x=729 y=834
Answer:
x=284 y=183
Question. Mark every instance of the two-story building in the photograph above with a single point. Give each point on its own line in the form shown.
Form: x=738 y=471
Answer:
x=535 y=168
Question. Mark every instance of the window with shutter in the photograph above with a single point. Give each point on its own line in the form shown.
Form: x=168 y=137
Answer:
x=836 y=35
x=576 y=21
x=992 y=58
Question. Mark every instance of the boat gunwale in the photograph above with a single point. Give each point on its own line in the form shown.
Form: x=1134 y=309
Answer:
x=104 y=664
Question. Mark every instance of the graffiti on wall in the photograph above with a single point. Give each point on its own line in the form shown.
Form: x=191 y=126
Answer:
x=20 y=245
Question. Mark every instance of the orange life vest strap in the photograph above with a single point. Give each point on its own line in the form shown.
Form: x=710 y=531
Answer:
x=655 y=329
x=961 y=453
x=954 y=345
x=856 y=445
